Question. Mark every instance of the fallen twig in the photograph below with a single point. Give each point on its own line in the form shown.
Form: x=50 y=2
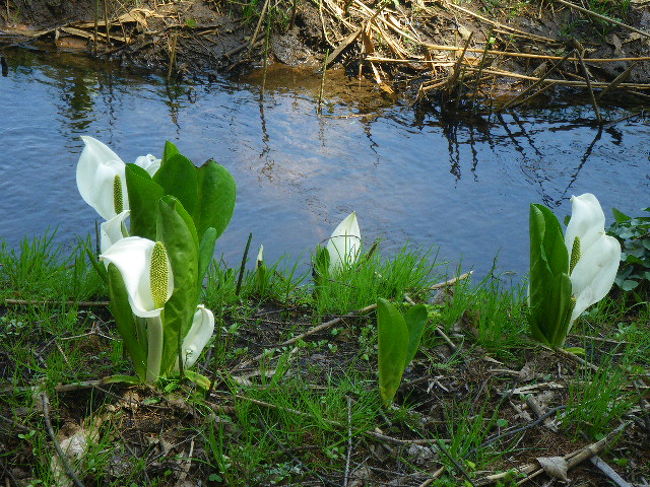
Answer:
x=609 y=472
x=32 y=302
x=502 y=26
x=513 y=101
x=316 y=329
x=45 y=403
x=618 y=80
x=346 y=476
x=589 y=88
x=595 y=84
x=452 y=281
x=573 y=459
x=519 y=429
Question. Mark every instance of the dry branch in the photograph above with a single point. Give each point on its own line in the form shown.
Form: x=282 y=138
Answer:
x=603 y=17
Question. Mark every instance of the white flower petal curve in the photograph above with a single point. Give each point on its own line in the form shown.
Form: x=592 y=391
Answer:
x=587 y=222
x=344 y=243
x=111 y=230
x=260 y=256
x=149 y=163
x=594 y=274
x=199 y=335
x=132 y=256
x=96 y=170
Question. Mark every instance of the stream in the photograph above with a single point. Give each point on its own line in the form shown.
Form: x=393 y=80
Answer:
x=453 y=183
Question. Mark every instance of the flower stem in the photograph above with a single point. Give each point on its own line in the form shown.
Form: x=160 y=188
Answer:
x=154 y=347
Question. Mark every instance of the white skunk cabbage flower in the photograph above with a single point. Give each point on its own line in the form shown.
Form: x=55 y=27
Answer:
x=146 y=271
x=112 y=230
x=100 y=177
x=149 y=163
x=594 y=256
x=345 y=243
x=149 y=282
x=198 y=336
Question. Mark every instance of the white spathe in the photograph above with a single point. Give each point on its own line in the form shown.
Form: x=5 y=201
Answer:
x=97 y=169
x=112 y=230
x=198 y=336
x=600 y=255
x=132 y=257
x=149 y=163
x=260 y=256
x=344 y=243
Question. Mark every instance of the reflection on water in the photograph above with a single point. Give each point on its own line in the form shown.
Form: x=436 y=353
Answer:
x=452 y=179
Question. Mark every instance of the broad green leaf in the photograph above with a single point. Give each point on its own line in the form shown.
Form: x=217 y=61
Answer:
x=176 y=230
x=393 y=338
x=629 y=285
x=217 y=192
x=206 y=252
x=415 y=318
x=563 y=307
x=144 y=194
x=178 y=177
x=550 y=300
x=555 y=250
x=121 y=309
x=170 y=150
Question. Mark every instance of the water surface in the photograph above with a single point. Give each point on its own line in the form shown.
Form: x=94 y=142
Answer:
x=455 y=181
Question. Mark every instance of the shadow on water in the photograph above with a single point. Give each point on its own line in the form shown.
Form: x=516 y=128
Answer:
x=454 y=178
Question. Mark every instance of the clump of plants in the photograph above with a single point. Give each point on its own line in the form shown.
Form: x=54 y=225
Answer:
x=155 y=264
x=633 y=233
x=570 y=272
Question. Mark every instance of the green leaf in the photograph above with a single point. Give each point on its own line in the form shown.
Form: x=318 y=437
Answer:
x=121 y=309
x=619 y=216
x=206 y=252
x=98 y=266
x=175 y=229
x=550 y=300
x=260 y=279
x=321 y=265
x=629 y=285
x=415 y=318
x=199 y=379
x=393 y=336
x=121 y=379
x=576 y=351
x=217 y=192
x=144 y=194
x=178 y=177
x=168 y=152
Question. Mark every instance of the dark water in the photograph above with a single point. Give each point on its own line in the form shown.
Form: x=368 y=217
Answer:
x=433 y=180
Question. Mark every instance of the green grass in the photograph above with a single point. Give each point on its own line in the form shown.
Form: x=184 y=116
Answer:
x=597 y=399
x=288 y=419
x=372 y=277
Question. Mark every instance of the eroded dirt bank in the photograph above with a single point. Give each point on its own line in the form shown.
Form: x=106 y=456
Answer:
x=457 y=49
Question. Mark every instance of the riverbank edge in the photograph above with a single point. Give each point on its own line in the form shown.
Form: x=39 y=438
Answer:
x=508 y=54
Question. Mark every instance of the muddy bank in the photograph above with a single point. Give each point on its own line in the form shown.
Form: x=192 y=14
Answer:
x=473 y=50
